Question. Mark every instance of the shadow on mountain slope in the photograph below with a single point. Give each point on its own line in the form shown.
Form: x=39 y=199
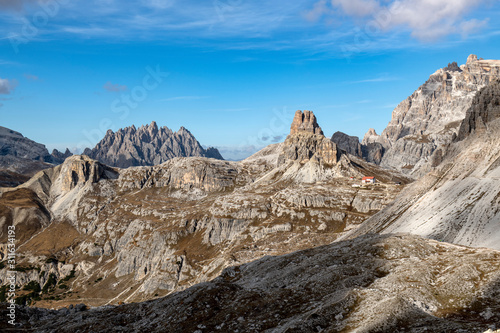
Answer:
x=374 y=283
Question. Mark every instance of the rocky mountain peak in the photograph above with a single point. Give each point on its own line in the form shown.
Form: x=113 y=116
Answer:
x=305 y=122
x=370 y=137
x=307 y=142
x=471 y=59
x=430 y=118
x=59 y=157
x=148 y=145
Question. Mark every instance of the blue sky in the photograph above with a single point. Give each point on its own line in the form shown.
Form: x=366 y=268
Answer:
x=231 y=71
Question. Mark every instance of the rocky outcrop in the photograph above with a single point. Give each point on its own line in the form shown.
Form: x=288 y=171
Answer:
x=373 y=152
x=306 y=142
x=485 y=108
x=212 y=152
x=148 y=145
x=305 y=122
x=390 y=283
x=429 y=119
x=303 y=147
x=349 y=144
x=370 y=137
x=80 y=169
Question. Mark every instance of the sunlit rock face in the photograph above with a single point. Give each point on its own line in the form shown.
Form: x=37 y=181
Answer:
x=147 y=145
x=430 y=118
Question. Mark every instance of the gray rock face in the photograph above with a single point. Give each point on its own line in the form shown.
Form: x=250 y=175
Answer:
x=349 y=144
x=458 y=201
x=306 y=142
x=485 y=108
x=15 y=144
x=303 y=147
x=431 y=116
x=305 y=122
x=21 y=157
x=148 y=145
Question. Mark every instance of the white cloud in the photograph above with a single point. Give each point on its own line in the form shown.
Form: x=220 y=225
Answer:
x=7 y=86
x=358 y=8
x=319 y=9
x=472 y=26
x=426 y=19
x=15 y=4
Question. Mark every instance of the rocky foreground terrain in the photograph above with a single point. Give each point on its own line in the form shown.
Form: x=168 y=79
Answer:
x=101 y=235
x=147 y=145
x=374 y=283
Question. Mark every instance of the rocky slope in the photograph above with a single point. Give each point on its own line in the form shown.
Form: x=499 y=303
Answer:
x=373 y=283
x=108 y=235
x=429 y=119
x=459 y=201
x=21 y=157
x=148 y=145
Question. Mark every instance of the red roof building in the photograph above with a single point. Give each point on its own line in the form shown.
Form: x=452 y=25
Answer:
x=368 y=180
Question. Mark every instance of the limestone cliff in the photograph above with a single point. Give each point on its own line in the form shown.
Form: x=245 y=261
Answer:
x=147 y=145
x=431 y=116
x=305 y=122
x=458 y=201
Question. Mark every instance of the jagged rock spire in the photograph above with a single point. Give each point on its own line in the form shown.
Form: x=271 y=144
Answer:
x=305 y=122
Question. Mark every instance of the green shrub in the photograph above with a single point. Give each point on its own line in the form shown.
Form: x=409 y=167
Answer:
x=50 y=284
x=33 y=286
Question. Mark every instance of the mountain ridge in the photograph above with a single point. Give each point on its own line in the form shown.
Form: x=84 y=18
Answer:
x=147 y=145
x=429 y=119
x=21 y=158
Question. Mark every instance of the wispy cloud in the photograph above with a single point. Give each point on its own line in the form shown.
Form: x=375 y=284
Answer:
x=15 y=4
x=374 y=80
x=316 y=29
x=427 y=20
x=7 y=86
x=31 y=77
x=183 y=98
x=114 y=87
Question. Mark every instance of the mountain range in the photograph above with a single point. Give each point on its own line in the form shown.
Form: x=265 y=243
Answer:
x=147 y=145
x=291 y=239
